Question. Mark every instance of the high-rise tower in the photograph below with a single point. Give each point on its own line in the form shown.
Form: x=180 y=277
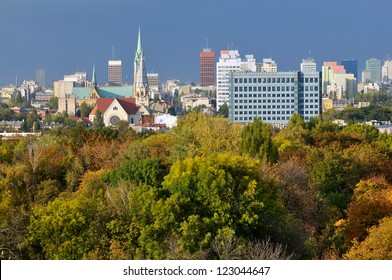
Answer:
x=40 y=76
x=114 y=73
x=140 y=81
x=207 y=68
x=373 y=65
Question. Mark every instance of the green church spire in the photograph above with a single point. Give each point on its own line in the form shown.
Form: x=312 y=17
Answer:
x=139 y=51
x=94 y=79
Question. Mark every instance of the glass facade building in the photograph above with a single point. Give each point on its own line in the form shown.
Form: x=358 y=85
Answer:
x=351 y=67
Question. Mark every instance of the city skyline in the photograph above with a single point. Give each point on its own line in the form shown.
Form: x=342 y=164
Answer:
x=70 y=36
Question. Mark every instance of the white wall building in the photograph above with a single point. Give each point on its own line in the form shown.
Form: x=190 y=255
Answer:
x=386 y=71
x=308 y=66
x=169 y=120
x=371 y=87
x=230 y=61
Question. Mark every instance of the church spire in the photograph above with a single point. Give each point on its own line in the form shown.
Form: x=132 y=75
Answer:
x=94 y=79
x=139 y=51
x=140 y=82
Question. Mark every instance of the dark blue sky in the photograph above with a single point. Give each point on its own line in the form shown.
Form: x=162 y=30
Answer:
x=72 y=35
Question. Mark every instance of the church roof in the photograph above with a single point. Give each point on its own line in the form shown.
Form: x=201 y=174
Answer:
x=128 y=104
x=82 y=93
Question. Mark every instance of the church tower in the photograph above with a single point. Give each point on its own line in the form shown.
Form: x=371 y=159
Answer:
x=140 y=82
x=94 y=95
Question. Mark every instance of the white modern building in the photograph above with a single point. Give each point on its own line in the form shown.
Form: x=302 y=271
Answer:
x=386 y=71
x=274 y=97
x=230 y=61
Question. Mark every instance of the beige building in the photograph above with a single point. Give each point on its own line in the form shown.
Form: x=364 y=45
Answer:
x=190 y=102
x=327 y=103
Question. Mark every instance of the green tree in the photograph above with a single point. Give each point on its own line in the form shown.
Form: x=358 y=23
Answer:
x=256 y=140
x=224 y=110
x=85 y=109
x=54 y=103
x=205 y=198
x=98 y=120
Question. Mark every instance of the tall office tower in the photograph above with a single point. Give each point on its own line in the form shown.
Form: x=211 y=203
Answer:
x=40 y=76
x=114 y=73
x=274 y=96
x=386 y=71
x=207 y=68
x=351 y=66
x=140 y=81
x=230 y=61
x=373 y=65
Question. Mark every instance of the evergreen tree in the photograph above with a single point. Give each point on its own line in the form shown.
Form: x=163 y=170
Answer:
x=98 y=120
x=256 y=140
x=224 y=110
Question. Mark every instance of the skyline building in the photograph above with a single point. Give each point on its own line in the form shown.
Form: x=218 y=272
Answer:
x=351 y=66
x=336 y=82
x=115 y=73
x=275 y=96
x=230 y=61
x=308 y=65
x=373 y=65
x=386 y=71
x=40 y=76
x=207 y=68
x=268 y=65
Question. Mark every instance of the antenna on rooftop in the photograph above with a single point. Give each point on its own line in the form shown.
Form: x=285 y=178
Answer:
x=112 y=52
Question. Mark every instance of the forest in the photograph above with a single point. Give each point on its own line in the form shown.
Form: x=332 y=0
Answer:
x=207 y=189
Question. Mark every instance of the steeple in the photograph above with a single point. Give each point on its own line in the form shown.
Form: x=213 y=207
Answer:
x=94 y=79
x=140 y=82
x=139 y=51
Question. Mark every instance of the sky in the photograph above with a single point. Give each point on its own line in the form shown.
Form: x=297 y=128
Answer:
x=73 y=35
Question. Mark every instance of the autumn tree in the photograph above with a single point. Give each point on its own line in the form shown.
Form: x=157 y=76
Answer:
x=376 y=246
x=372 y=201
x=200 y=135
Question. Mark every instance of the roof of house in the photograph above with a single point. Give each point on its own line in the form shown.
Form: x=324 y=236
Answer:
x=128 y=104
x=82 y=119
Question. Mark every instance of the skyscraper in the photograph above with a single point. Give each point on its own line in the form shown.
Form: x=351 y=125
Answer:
x=387 y=71
x=373 y=65
x=40 y=76
x=114 y=73
x=351 y=66
x=207 y=68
